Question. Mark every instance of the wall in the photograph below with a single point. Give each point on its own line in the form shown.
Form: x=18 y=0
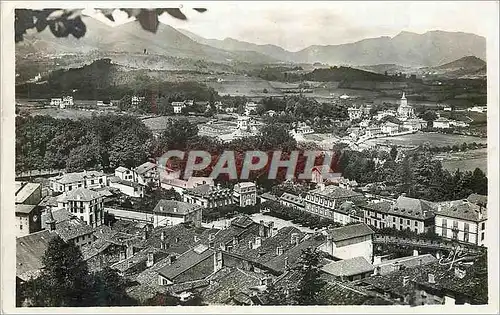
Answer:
x=361 y=246
x=475 y=232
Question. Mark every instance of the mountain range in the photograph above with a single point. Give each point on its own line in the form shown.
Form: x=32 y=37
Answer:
x=405 y=49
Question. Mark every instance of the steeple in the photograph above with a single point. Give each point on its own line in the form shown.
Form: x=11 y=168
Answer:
x=403 y=97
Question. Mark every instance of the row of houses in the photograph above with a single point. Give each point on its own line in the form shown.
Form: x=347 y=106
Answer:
x=461 y=220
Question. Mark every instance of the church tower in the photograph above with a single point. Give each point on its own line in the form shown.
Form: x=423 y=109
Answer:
x=404 y=101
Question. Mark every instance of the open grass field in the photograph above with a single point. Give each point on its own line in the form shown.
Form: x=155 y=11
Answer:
x=159 y=123
x=465 y=161
x=421 y=138
x=67 y=113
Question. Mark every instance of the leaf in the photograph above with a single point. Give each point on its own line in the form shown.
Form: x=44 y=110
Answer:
x=76 y=27
x=109 y=17
x=148 y=20
x=201 y=10
x=176 y=13
x=59 y=28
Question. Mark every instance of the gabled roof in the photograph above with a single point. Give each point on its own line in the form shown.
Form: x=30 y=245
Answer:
x=143 y=168
x=29 y=252
x=242 y=221
x=463 y=210
x=118 y=180
x=72 y=228
x=70 y=178
x=336 y=192
x=25 y=190
x=348 y=267
x=293 y=199
x=185 y=262
x=25 y=209
x=82 y=194
x=350 y=231
x=121 y=169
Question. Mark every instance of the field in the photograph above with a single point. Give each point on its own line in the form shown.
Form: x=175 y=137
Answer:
x=434 y=139
x=159 y=123
x=66 y=113
x=466 y=161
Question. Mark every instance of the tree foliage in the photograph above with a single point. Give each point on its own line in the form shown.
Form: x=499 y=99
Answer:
x=63 y=22
x=310 y=285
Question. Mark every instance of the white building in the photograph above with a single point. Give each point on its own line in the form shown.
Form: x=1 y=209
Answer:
x=57 y=102
x=441 y=123
x=462 y=220
x=208 y=196
x=71 y=181
x=389 y=127
x=354 y=113
x=66 y=101
x=385 y=113
x=180 y=185
x=178 y=106
x=172 y=212
x=350 y=241
x=129 y=188
x=250 y=107
x=136 y=100
x=85 y=204
x=245 y=194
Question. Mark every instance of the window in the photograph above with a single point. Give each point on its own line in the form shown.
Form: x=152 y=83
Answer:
x=393 y=219
x=455 y=225
x=416 y=230
x=466 y=227
x=482 y=236
x=416 y=223
x=100 y=180
x=21 y=227
x=400 y=221
x=483 y=226
x=408 y=222
x=466 y=237
x=444 y=224
x=81 y=210
x=92 y=182
x=394 y=226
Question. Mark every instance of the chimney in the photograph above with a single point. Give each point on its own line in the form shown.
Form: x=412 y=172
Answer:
x=286 y=263
x=258 y=242
x=406 y=280
x=415 y=253
x=235 y=240
x=171 y=259
x=175 y=209
x=123 y=255
x=431 y=278
x=162 y=237
x=279 y=250
x=50 y=221
x=294 y=239
x=130 y=251
x=161 y=208
x=151 y=260
x=231 y=293
x=321 y=186
x=262 y=229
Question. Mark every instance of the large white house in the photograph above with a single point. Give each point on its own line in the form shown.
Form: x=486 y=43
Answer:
x=462 y=220
x=85 y=204
x=71 y=181
x=350 y=241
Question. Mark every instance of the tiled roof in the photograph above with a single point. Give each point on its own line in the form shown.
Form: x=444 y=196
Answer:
x=269 y=196
x=345 y=294
x=70 y=178
x=48 y=201
x=58 y=215
x=388 y=266
x=25 y=191
x=336 y=192
x=209 y=191
x=478 y=199
x=230 y=278
x=293 y=199
x=174 y=207
x=72 y=228
x=404 y=207
x=473 y=285
x=121 y=169
x=244 y=185
x=143 y=168
x=95 y=248
x=25 y=209
x=82 y=194
x=462 y=210
x=293 y=254
x=185 y=262
x=242 y=221
x=348 y=267
x=118 y=180
x=350 y=231
x=29 y=252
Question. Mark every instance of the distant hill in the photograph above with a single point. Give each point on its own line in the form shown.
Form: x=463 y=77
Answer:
x=343 y=74
x=406 y=49
x=468 y=67
x=467 y=62
x=389 y=68
x=131 y=38
x=231 y=44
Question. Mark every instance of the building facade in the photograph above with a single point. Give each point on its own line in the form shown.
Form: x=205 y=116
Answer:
x=72 y=181
x=85 y=204
x=245 y=194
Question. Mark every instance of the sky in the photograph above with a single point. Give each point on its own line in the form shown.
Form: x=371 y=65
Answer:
x=297 y=25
